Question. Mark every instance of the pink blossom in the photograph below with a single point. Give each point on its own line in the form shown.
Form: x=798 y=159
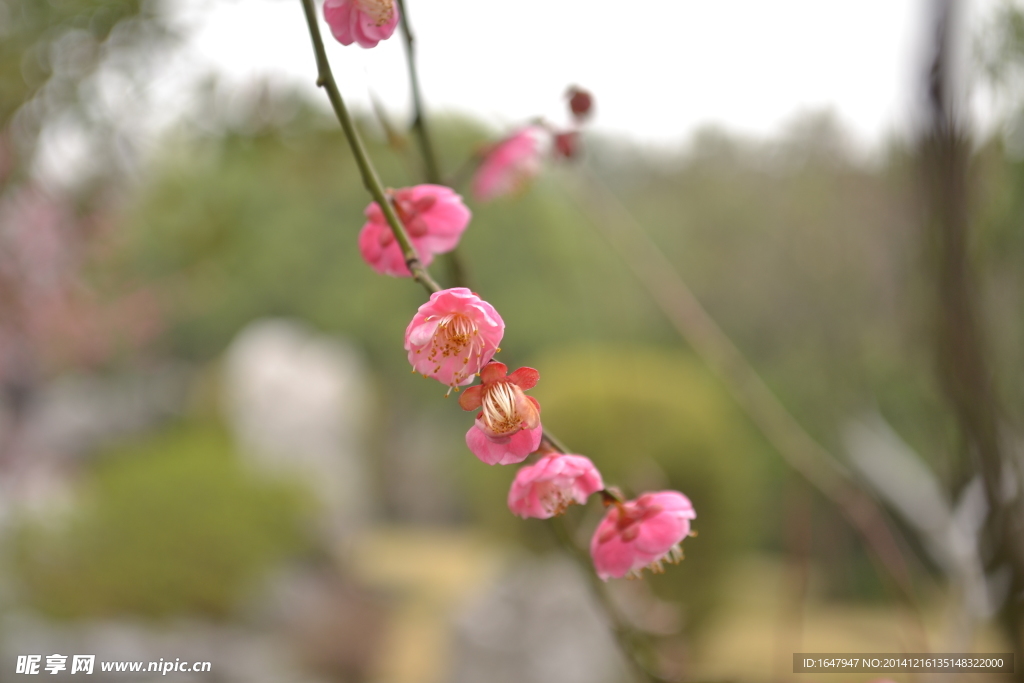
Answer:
x=555 y=482
x=434 y=217
x=641 y=533
x=366 y=22
x=452 y=336
x=507 y=429
x=510 y=164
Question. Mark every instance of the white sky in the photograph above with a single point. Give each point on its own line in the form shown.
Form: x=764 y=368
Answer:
x=658 y=71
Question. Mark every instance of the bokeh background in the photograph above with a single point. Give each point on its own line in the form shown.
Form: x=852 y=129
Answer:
x=211 y=447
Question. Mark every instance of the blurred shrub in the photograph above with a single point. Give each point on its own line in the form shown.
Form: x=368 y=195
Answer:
x=169 y=525
x=652 y=419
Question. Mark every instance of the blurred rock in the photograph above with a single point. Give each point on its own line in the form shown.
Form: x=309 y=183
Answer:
x=538 y=623
x=69 y=418
x=418 y=476
x=296 y=401
x=76 y=414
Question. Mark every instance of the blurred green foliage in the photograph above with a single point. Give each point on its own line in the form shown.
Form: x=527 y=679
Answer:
x=809 y=258
x=173 y=524
x=49 y=47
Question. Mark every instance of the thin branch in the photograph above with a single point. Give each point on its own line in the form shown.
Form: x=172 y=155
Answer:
x=395 y=139
x=693 y=323
x=371 y=181
x=962 y=363
x=431 y=169
x=325 y=79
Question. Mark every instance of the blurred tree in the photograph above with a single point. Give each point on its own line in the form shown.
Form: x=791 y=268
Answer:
x=49 y=317
x=49 y=48
x=807 y=257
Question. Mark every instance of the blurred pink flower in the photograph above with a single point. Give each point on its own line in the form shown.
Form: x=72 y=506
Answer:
x=366 y=22
x=452 y=336
x=641 y=533
x=510 y=164
x=433 y=215
x=552 y=484
x=507 y=429
x=50 y=312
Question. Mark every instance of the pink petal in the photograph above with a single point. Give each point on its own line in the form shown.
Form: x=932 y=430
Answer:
x=486 y=449
x=385 y=260
x=503 y=451
x=526 y=378
x=613 y=558
x=421 y=334
x=338 y=15
x=471 y=398
x=522 y=443
x=493 y=371
x=659 y=533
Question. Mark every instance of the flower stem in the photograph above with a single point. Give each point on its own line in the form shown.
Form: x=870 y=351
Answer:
x=431 y=167
x=432 y=171
x=555 y=442
x=325 y=80
x=626 y=636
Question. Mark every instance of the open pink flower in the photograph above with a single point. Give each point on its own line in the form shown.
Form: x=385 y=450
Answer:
x=452 y=336
x=641 y=533
x=366 y=22
x=507 y=429
x=433 y=215
x=552 y=484
x=510 y=164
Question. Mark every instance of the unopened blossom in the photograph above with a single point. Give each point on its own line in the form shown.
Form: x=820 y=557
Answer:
x=581 y=102
x=507 y=428
x=552 y=484
x=453 y=336
x=434 y=218
x=641 y=533
x=510 y=164
x=366 y=22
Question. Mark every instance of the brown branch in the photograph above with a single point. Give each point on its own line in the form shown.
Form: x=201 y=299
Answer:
x=693 y=323
x=959 y=335
x=325 y=79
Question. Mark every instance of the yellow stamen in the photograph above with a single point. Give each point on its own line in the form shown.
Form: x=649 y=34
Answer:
x=499 y=409
x=381 y=11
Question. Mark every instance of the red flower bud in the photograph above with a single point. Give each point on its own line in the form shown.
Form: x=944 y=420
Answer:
x=581 y=103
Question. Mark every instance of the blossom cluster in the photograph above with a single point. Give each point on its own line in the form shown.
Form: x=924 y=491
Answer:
x=454 y=336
